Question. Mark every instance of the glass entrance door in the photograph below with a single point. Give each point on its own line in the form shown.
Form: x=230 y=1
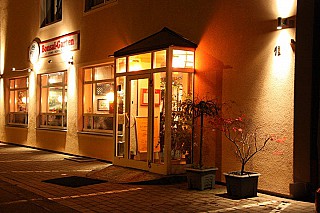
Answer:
x=138 y=117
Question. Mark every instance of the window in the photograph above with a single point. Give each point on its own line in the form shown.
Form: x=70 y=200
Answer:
x=18 y=101
x=51 y=11
x=98 y=97
x=53 y=105
x=92 y=4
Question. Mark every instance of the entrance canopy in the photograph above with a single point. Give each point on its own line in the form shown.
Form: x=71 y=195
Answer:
x=160 y=40
x=152 y=78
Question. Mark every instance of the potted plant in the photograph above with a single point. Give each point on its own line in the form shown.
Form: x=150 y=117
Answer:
x=198 y=176
x=247 y=143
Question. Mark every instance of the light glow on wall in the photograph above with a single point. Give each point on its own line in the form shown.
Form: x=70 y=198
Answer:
x=286 y=7
x=284 y=56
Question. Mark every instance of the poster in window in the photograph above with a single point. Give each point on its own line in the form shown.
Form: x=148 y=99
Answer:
x=103 y=105
x=144 y=97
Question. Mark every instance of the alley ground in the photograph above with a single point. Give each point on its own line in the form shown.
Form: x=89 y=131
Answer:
x=33 y=180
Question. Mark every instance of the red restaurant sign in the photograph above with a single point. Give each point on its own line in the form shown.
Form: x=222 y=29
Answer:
x=60 y=44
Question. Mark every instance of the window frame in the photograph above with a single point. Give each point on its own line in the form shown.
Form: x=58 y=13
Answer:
x=89 y=119
x=90 y=5
x=47 y=119
x=51 y=12
x=13 y=115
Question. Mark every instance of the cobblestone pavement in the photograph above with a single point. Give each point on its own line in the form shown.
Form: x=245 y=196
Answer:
x=26 y=185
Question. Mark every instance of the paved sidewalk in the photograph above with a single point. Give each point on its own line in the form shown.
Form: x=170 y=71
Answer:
x=33 y=180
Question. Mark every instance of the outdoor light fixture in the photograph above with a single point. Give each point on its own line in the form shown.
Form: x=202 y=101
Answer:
x=283 y=23
x=70 y=60
x=279 y=26
x=21 y=70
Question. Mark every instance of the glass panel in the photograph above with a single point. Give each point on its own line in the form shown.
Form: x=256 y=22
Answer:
x=140 y=62
x=87 y=122
x=12 y=101
x=44 y=100
x=103 y=123
x=159 y=59
x=55 y=120
x=88 y=74
x=120 y=139
x=11 y=84
x=121 y=65
x=138 y=120
x=21 y=100
x=104 y=97
x=87 y=98
x=183 y=59
x=181 y=131
x=20 y=118
x=55 y=99
x=44 y=80
x=104 y=72
x=159 y=117
x=43 y=120
x=55 y=78
x=21 y=83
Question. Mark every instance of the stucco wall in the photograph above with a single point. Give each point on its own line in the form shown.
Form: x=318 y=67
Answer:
x=234 y=61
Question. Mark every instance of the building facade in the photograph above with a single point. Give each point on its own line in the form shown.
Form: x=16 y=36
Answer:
x=68 y=79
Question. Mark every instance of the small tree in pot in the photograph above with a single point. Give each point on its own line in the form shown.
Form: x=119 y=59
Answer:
x=200 y=177
x=247 y=143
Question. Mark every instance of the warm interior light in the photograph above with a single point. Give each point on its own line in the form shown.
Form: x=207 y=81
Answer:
x=182 y=59
x=110 y=96
x=60 y=98
x=24 y=100
x=52 y=81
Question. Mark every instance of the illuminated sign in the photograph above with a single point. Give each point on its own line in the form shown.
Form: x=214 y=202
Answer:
x=60 y=44
x=34 y=52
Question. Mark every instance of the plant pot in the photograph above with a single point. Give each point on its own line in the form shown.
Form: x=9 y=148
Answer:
x=317 y=200
x=201 y=178
x=242 y=186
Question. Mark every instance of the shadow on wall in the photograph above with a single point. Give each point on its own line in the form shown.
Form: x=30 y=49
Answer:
x=100 y=147
x=16 y=135
x=52 y=140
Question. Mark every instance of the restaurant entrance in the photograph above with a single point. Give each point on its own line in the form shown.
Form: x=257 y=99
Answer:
x=151 y=84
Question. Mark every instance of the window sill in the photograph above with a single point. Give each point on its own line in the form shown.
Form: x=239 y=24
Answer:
x=51 y=129
x=17 y=126
x=95 y=133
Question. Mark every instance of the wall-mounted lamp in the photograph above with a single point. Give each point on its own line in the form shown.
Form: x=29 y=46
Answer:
x=1 y=76
x=21 y=70
x=283 y=23
x=293 y=45
x=70 y=60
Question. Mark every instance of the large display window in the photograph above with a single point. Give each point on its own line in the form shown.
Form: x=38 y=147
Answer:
x=98 y=98
x=18 y=101
x=53 y=106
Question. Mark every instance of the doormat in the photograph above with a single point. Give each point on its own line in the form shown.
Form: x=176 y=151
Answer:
x=74 y=181
x=80 y=159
